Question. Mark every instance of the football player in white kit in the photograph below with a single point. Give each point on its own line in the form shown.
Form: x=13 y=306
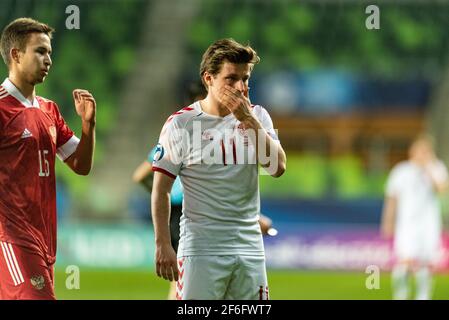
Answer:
x=215 y=145
x=412 y=215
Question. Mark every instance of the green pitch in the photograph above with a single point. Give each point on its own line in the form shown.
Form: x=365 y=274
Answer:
x=297 y=285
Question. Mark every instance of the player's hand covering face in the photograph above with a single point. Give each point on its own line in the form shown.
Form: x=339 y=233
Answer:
x=231 y=85
x=85 y=105
x=236 y=102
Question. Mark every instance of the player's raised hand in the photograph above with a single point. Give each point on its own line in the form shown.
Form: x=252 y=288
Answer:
x=85 y=105
x=166 y=263
x=236 y=101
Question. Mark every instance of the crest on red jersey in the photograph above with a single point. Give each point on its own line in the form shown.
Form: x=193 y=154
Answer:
x=38 y=282
x=52 y=131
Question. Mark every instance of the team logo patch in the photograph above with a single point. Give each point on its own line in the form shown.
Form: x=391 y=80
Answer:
x=52 y=130
x=26 y=134
x=38 y=282
x=241 y=129
x=159 y=153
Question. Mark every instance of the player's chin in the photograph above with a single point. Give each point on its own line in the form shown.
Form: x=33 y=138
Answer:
x=40 y=79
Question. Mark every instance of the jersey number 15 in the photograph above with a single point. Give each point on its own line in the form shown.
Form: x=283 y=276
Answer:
x=44 y=166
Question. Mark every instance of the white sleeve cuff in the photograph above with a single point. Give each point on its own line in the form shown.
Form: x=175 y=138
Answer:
x=67 y=149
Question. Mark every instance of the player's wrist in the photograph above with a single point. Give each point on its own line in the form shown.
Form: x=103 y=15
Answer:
x=163 y=242
x=89 y=123
x=251 y=123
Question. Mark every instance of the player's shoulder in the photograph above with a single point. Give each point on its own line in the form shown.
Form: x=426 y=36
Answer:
x=402 y=166
x=257 y=108
x=440 y=163
x=49 y=104
x=45 y=100
x=181 y=117
x=259 y=111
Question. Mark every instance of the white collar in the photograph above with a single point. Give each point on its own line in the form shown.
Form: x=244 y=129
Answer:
x=12 y=90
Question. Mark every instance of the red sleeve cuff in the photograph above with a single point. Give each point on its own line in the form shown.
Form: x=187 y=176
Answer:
x=164 y=172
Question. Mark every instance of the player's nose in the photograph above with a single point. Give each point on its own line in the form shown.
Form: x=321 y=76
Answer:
x=48 y=62
x=240 y=85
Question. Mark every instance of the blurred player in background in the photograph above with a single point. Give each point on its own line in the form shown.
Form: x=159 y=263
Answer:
x=144 y=175
x=412 y=215
x=32 y=133
x=221 y=253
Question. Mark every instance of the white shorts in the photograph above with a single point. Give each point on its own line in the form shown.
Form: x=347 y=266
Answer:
x=420 y=249
x=222 y=278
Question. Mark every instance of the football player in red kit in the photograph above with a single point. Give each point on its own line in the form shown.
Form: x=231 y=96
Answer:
x=32 y=133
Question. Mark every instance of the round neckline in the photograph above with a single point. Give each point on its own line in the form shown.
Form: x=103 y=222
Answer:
x=211 y=115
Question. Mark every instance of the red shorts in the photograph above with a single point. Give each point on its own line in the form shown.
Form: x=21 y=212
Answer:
x=24 y=275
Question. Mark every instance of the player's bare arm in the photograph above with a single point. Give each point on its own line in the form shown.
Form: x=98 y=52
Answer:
x=144 y=175
x=165 y=256
x=81 y=160
x=388 y=217
x=440 y=186
x=240 y=106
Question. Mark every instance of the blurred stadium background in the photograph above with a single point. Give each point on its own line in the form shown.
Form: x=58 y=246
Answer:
x=346 y=101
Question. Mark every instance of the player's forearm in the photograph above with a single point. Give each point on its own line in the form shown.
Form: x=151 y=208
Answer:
x=276 y=161
x=82 y=158
x=438 y=186
x=388 y=217
x=144 y=176
x=160 y=210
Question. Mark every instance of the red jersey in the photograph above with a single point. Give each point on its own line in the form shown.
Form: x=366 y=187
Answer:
x=31 y=135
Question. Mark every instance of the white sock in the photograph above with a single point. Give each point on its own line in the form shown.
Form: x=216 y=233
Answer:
x=400 y=279
x=423 y=278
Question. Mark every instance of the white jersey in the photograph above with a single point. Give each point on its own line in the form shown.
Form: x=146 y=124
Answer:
x=216 y=163
x=418 y=215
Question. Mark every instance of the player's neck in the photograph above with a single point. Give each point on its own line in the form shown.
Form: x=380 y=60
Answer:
x=25 y=88
x=213 y=107
x=418 y=162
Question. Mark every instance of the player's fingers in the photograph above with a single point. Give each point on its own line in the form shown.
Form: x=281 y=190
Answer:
x=230 y=96
x=82 y=90
x=233 y=91
x=86 y=95
x=169 y=273
x=175 y=271
x=89 y=99
x=163 y=271
x=75 y=95
x=158 y=269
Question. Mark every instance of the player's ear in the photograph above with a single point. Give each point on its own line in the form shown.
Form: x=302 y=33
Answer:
x=208 y=78
x=15 y=55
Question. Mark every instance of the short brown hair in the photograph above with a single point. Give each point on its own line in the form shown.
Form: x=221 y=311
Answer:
x=15 y=35
x=226 y=50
